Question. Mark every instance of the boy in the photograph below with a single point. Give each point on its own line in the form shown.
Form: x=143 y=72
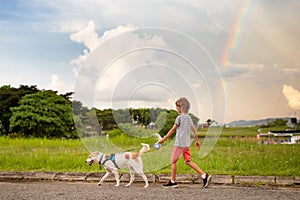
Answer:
x=183 y=126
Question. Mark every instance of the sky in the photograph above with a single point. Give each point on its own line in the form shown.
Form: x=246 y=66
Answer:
x=233 y=59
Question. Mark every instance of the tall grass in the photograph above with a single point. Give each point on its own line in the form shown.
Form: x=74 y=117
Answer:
x=232 y=156
x=38 y=154
x=243 y=156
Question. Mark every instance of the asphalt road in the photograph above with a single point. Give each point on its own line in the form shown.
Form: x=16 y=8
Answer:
x=89 y=190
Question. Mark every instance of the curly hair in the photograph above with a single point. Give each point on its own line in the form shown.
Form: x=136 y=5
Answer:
x=184 y=104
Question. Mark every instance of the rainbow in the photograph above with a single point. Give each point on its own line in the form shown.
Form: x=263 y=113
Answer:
x=234 y=36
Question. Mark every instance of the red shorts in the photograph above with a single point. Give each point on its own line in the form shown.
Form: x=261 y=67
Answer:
x=177 y=151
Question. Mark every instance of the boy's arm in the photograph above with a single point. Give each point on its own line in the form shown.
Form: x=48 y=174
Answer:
x=196 y=136
x=171 y=131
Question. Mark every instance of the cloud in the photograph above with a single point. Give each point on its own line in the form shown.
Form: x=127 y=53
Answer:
x=58 y=85
x=69 y=15
x=232 y=71
x=237 y=70
x=262 y=38
x=107 y=70
x=78 y=62
x=147 y=67
x=90 y=39
x=87 y=36
x=292 y=95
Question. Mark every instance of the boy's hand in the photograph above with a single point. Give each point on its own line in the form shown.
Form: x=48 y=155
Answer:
x=198 y=144
x=161 y=141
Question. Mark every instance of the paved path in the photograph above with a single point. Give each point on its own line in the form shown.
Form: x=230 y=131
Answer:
x=89 y=190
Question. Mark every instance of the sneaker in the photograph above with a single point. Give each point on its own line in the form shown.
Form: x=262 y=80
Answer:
x=207 y=180
x=169 y=185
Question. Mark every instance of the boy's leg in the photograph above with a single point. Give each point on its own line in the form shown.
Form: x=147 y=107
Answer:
x=205 y=177
x=187 y=160
x=173 y=172
x=175 y=155
x=177 y=151
x=195 y=167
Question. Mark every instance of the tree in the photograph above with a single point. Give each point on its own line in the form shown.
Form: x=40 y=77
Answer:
x=79 y=113
x=140 y=116
x=10 y=97
x=153 y=113
x=122 y=116
x=43 y=114
x=106 y=119
x=165 y=121
x=79 y=109
x=134 y=114
x=194 y=119
x=67 y=95
x=276 y=123
x=144 y=118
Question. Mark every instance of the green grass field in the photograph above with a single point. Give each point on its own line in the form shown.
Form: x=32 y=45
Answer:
x=231 y=155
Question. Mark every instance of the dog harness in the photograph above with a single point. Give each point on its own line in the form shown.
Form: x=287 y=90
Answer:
x=111 y=157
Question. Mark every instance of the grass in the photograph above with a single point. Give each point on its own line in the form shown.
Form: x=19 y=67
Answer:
x=234 y=132
x=231 y=155
x=38 y=154
x=244 y=156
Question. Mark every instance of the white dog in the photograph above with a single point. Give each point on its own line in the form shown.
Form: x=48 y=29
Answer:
x=113 y=162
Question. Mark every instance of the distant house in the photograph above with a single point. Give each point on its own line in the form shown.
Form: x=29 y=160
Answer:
x=280 y=137
x=203 y=125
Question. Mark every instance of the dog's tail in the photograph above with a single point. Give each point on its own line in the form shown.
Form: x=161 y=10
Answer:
x=158 y=136
x=145 y=148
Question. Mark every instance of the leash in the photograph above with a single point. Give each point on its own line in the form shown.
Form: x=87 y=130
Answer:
x=129 y=150
x=100 y=164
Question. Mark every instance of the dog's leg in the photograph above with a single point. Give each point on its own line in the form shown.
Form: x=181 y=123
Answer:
x=145 y=179
x=131 y=176
x=117 y=177
x=103 y=178
x=139 y=169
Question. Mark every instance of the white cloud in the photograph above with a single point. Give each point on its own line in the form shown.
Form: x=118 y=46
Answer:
x=58 y=85
x=147 y=67
x=113 y=32
x=87 y=36
x=292 y=95
x=69 y=15
x=108 y=79
x=90 y=39
x=78 y=62
x=238 y=70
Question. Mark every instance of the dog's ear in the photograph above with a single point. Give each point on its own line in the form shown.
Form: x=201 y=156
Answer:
x=94 y=154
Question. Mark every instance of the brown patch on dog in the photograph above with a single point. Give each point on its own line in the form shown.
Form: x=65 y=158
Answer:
x=127 y=156
x=106 y=156
x=94 y=154
x=135 y=156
